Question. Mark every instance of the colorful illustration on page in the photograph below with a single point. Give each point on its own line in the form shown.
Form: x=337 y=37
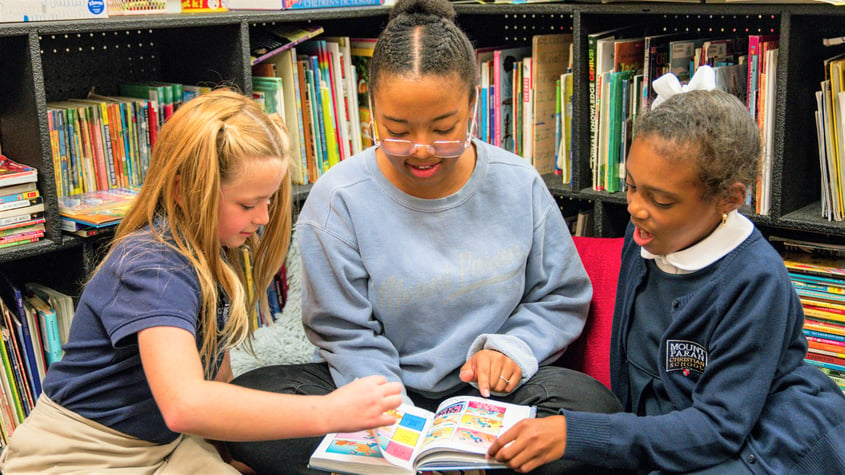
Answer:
x=405 y=437
x=361 y=444
x=482 y=423
x=474 y=438
x=440 y=433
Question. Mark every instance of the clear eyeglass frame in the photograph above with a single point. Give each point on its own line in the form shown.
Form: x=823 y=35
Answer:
x=438 y=148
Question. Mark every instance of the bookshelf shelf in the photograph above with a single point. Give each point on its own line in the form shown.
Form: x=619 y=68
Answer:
x=47 y=61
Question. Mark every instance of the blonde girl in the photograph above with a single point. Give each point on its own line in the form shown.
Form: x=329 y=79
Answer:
x=143 y=379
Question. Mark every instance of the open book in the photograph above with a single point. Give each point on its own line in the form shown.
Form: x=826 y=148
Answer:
x=456 y=437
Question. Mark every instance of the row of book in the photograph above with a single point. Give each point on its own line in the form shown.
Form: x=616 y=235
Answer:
x=524 y=92
x=104 y=142
x=101 y=148
x=817 y=272
x=21 y=204
x=318 y=85
x=34 y=325
x=623 y=63
x=830 y=128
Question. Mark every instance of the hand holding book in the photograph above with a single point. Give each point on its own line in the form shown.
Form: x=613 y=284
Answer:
x=531 y=443
x=455 y=437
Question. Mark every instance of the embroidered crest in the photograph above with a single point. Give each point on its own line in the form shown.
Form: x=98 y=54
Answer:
x=686 y=356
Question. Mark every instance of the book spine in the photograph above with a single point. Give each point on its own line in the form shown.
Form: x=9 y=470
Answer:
x=307 y=127
x=273 y=301
x=831 y=362
x=125 y=141
x=592 y=81
x=28 y=236
x=817 y=295
x=818 y=287
x=25 y=334
x=339 y=104
x=75 y=162
x=91 y=179
x=834 y=339
x=497 y=97
x=30 y=227
x=96 y=135
x=16 y=353
x=647 y=52
x=10 y=410
x=528 y=108
x=145 y=137
x=17 y=201
x=54 y=151
x=105 y=138
x=322 y=119
x=316 y=124
x=822 y=326
x=10 y=221
x=331 y=136
x=37 y=207
x=826 y=344
x=753 y=69
x=67 y=181
x=11 y=375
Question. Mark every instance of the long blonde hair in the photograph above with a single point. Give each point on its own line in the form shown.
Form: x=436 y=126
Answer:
x=204 y=143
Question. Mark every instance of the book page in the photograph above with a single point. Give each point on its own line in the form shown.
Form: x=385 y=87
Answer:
x=352 y=452
x=400 y=442
x=468 y=425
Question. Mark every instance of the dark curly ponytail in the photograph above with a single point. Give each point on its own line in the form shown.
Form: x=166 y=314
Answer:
x=420 y=39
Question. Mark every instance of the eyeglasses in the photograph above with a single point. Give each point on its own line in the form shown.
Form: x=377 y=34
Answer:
x=438 y=148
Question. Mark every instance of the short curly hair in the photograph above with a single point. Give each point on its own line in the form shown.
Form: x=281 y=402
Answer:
x=713 y=128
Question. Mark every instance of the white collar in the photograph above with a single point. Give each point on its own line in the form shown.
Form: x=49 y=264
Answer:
x=724 y=239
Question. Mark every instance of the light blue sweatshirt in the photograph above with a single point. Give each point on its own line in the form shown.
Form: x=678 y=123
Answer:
x=410 y=288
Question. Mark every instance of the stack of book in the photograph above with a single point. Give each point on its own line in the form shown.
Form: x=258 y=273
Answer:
x=820 y=283
x=21 y=204
x=86 y=214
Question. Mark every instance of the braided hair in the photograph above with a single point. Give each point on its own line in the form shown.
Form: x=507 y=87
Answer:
x=421 y=38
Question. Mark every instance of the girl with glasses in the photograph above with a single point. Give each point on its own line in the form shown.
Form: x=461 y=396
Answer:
x=434 y=259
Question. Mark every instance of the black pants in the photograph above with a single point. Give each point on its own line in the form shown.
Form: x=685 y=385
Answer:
x=550 y=389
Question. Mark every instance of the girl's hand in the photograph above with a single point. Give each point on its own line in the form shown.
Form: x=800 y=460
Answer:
x=491 y=370
x=531 y=443
x=362 y=404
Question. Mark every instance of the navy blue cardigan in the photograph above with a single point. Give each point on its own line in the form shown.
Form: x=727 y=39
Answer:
x=732 y=362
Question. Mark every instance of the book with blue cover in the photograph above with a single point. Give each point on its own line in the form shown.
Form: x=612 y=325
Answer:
x=13 y=298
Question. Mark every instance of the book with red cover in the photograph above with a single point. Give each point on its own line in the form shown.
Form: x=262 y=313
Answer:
x=12 y=172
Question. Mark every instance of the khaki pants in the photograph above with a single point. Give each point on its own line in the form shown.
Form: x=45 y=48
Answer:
x=54 y=440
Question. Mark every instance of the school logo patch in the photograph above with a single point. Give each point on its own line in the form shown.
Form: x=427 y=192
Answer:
x=686 y=356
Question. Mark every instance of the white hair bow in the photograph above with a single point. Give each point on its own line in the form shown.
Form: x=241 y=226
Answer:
x=668 y=85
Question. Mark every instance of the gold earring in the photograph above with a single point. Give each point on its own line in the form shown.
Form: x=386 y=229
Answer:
x=724 y=217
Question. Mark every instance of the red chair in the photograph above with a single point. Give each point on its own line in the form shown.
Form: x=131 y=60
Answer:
x=590 y=353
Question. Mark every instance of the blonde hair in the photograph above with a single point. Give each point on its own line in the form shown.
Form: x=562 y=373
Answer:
x=206 y=142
